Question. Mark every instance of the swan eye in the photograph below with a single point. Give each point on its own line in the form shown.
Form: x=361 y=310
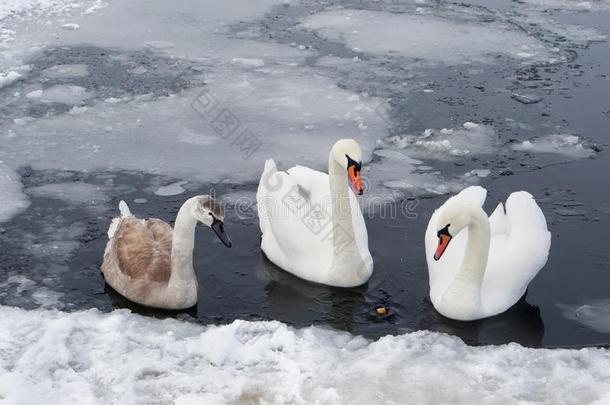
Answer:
x=351 y=162
x=444 y=231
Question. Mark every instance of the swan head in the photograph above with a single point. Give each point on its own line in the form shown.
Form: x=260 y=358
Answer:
x=207 y=211
x=454 y=217
x=347 y=153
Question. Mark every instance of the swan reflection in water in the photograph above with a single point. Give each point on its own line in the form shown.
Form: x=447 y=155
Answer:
x=301 y=303
x=120 y=302
x=521 y=324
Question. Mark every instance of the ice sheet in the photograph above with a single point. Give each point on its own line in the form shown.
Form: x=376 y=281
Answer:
x=12 y=199
x=94 y=358
x=570 y=4
x=66 y=71
x=426 y=37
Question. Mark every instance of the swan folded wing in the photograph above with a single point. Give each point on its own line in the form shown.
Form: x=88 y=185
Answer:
x=144 y=249
x=311 y=181
x=498 y=222
x=515 y=258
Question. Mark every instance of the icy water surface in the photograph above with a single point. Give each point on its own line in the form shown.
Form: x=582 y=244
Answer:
x=509 y=95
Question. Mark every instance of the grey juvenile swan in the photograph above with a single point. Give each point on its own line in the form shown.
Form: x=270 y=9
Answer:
x=149 y=263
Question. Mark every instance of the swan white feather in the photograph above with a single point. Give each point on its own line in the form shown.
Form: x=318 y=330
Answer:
x=309 y=249
x=519 y=242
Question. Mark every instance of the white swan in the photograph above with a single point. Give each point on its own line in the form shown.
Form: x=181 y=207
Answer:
x=480 y=266
x=149 y=263
x=311 y=223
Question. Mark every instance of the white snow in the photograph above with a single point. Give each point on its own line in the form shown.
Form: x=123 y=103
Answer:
x=562 y=144
x=32 y=8
x=426 y=37
x=93 y=358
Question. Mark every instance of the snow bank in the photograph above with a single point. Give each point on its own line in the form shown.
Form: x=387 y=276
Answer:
x=94 y=358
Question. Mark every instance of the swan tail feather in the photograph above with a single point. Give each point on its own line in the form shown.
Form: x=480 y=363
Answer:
x=270 y=167
x=124 y=209
x=523 y=212
x=499 y=222
x=114 y=225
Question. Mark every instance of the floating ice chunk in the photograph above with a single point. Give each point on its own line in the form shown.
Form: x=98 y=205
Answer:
x=570 y=4
x=255 y=62
x=594 y=314
x=66 y=71
x=148 y=360
x=574 y=33
x=159 y=44
x=22 y=283
x=47 y=298
x=171 y=189
x=478 y=173
x=8 y=78
x=34 y=94
x=473 y=139
x=65 y=94
x=562 y=144
x=526 y=98
x=392 y=173
x=424 y=37
x=12 y=199
x=70 y=26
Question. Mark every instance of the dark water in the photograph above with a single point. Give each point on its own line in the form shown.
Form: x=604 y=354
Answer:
x=239 y=283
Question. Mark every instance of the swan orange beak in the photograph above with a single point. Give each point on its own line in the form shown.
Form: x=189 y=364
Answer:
x=355 y=179
x=443 y=242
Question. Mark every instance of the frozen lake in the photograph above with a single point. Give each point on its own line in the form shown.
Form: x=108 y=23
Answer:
x=102 y=101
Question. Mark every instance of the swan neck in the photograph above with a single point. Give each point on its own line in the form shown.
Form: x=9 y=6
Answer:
x=477 y=251
x=347 y=261
x=340 y=200
x=183 y=242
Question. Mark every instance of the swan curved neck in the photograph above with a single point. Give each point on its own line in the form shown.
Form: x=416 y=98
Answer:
x=183 y=242
x=466 y=286
x=346 y=257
